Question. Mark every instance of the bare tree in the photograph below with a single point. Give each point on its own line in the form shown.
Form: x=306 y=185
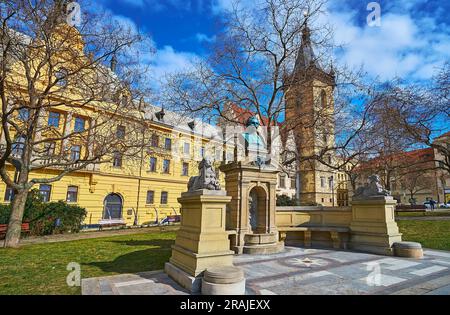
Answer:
x=419 y=114
x=262 y=57
x=415 y=182
x=61 y=104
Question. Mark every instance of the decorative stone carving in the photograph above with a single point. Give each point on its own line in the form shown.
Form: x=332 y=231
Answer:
x=372 y=190
x=207 y=180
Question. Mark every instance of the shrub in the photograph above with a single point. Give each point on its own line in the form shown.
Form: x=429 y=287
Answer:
x=285 y=201
x=48 y=218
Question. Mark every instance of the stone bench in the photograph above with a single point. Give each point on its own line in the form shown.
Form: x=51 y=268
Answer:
x=339 y=235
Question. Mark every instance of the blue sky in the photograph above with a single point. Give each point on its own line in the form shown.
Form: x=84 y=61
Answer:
x=413 y=40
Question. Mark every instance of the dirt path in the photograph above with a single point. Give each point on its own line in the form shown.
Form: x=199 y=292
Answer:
x=95 y=234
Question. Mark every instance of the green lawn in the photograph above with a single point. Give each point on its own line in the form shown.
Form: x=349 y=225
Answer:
x=424 y=214
x=41 y=269
x=431 y=234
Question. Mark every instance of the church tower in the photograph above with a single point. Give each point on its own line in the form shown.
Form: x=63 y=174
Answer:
x=310 y=115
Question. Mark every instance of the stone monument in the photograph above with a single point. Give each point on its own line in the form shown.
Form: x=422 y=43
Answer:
x=202 y=245
x=252 y=185
x=373 y=227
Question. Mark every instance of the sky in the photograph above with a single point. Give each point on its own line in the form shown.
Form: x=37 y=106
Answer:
x=412 y=41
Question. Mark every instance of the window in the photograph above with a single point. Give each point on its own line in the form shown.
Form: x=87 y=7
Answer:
x=331 y=182
x=9 y=194
x=79 y=124
x=185 y=171
x=282 y=181
x=124 y=100
x=323 y=99
x=117 y=161
x=293 y=183
x=18 y=147
x=168 y=144
x=45 y=191
x=72 y=194
x=166 y=166
x=164 y=197
x=61 y=77
x=153 y=164
x=120 y=132
x=75 y=152
x=155 y=141
x=24 y=114
x=49 y=148
x=323 y=182
x=53 y=119
x=202 y=152
x=187 y=148
x=218 y=155
x=150 y=197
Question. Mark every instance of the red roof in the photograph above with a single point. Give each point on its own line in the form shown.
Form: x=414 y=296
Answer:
x=410 y=157
x=447 y=134
x=242 y=115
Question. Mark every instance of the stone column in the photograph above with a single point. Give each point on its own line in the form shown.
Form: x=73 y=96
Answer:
x=202 y=241
x=373 y=227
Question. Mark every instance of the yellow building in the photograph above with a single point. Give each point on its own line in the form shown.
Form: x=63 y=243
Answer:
x=140 y=188
x=144 y=188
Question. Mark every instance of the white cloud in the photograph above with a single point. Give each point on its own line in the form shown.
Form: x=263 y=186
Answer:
x=169 y=61
x=406 y=45
x=201 y=38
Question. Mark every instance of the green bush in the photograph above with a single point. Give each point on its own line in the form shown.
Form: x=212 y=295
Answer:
x=48 y=218
x=285 y=201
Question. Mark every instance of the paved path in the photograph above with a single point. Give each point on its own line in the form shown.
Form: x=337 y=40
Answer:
x=91 y=235
x=300 y=271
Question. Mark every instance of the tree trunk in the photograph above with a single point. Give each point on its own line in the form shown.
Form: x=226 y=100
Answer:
x=15 y=222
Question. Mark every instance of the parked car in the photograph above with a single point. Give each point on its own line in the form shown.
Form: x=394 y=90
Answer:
x=444 y=206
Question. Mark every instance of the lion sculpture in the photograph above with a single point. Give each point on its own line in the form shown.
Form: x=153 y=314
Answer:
x=207 y=178
x=372 y=190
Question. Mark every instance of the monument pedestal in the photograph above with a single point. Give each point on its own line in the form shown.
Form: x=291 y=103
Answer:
x=373 y=227
x=202 y=241
x=251 y=213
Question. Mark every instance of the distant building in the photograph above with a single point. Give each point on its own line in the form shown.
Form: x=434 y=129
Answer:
x=413 y=177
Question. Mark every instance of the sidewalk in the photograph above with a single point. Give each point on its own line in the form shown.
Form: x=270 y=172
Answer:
x=95 y=234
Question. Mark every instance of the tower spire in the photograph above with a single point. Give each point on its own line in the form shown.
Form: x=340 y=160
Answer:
x=306 y=57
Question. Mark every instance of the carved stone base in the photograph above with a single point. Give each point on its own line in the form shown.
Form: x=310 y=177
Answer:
x=373 y=227
x=192 y=284
x=262 y=244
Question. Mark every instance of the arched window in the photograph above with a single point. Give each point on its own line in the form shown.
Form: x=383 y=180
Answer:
x=323 y=99
x=113 y=207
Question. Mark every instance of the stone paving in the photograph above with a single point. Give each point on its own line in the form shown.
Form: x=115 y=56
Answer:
x=300 y=271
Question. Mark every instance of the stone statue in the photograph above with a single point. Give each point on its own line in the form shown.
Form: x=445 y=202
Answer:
x=373 y=189
x=254 y=142
x=253 y=208
x=207 y=178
